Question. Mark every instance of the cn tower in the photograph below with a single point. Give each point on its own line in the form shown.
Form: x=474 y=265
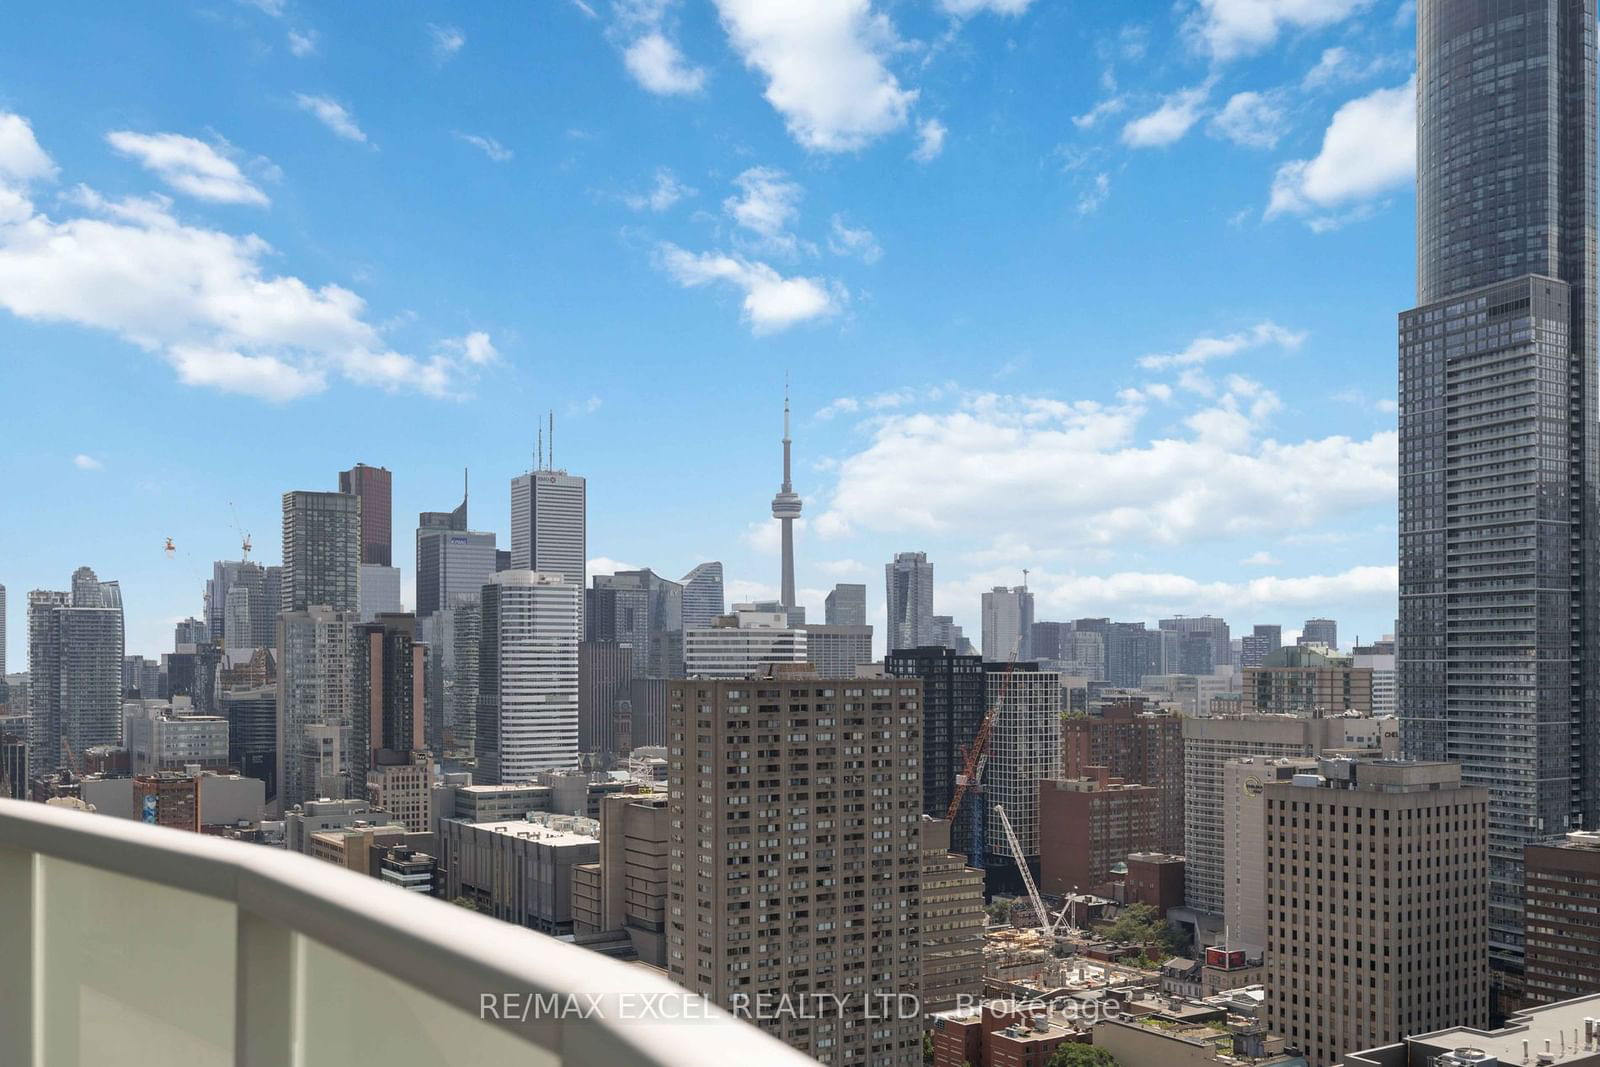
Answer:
x=786 y=509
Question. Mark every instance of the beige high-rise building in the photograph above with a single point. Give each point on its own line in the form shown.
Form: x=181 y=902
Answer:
x=1377 y=904
x=1208 y=744
x=1244 y=850
x=795 y=866
x=952 y=921
x=626 y=890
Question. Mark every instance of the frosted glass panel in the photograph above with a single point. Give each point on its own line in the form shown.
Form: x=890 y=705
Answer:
x=134 y=973
x=352 y=1013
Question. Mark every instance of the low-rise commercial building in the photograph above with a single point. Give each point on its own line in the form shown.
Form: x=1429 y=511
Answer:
x=517 y=871
x=1563 y=1034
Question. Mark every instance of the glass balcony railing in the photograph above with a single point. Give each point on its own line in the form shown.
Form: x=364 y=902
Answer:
x=123 y=944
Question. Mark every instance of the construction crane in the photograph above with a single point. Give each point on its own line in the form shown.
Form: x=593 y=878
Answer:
x=1027 y=876
x=70 y=757
x=975 y=756
x=244 y=535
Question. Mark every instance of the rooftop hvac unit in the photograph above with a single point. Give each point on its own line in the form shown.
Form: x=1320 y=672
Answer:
x=1466 y=1057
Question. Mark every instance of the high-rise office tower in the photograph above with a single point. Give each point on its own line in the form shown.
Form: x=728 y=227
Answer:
x=1024 y=749
x=786 y=509
x=1208 y=744
x=910 y=601
x=1048 y=640
x=605 y=686
x=1320 y=632
x=315 y=705
x=836 y=651
x=321 y=550
x=44 y=675
x=834 y=876
x=386 y=678
x=379 y=592
x=846 y=605
x=2 y=631
x=944 y=631
x=548 y=524
x=451 y=559
x=190 y=631
x=953 y=691
x=1204 y=645
x=527 y=677
x=1007 y=623
x=1322 y=841
x=374 y=485
x=703 y=597
x=457 y=634
x=252 y=716
x=642 y=609
x=75 y=652
x=739 y=644
x=1261 y=642
x=1499 y=447
x=242 y=604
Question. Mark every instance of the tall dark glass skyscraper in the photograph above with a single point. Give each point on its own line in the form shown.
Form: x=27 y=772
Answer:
x=1498 y=444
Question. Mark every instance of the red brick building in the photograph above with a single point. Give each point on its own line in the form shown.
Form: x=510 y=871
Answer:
x=1136 y=745
x=1087 y=825
x=1156 y=879
x=999 y=1034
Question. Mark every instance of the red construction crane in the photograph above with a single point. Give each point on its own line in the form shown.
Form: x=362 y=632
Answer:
x=977 y=752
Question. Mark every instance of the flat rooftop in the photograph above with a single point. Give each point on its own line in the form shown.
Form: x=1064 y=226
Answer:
x=531 y=831
x=1561 y=1024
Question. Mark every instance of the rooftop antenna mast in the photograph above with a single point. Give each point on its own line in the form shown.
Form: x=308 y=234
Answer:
x=539 y=463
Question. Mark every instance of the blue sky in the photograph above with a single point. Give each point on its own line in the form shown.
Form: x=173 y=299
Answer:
x=1101 y=288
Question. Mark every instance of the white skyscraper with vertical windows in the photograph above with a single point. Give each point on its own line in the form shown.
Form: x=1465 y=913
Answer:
x=532 y=622
x=548 y=524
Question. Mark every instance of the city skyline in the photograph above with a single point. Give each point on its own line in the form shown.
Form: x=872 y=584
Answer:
x=905 y=368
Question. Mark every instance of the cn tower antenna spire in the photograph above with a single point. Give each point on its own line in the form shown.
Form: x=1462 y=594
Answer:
x=786 y=507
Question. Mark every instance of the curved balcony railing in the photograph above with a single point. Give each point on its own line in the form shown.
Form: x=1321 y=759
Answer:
x=128 y=944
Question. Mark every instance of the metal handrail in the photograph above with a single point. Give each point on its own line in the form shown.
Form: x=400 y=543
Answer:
x=446 y=952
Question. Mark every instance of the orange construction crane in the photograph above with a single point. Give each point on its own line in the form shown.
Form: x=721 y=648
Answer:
x=976 y=754
x=71 y=757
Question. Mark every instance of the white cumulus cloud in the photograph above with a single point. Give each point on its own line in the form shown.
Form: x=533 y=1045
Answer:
x=1250 y=119
x=201 y=299
x=189 y=166
x=1205 y=349
x=1370 y=148
x=771 y=302
x=930 y=140
x=964 y=8
x=1228 y=29
x=1169 y=122
x=86 y=462
x=825 y=63
x=657 y=64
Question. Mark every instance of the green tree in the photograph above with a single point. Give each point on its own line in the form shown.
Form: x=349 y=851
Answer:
x=465 y=902
x=1139 y=924
x=927 y=1047
x=1077 y=1054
